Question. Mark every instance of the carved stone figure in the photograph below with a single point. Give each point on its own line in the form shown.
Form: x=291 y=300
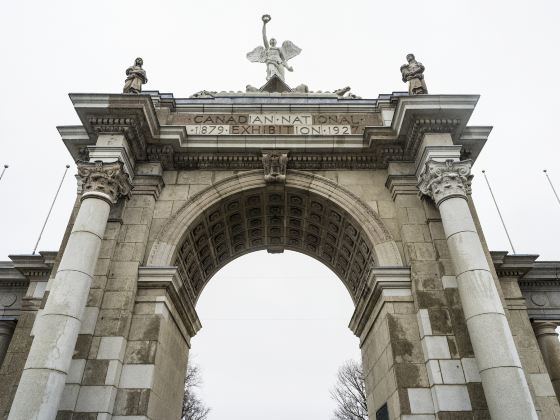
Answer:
x=250 y=88
x=413 y=73
x=303 y=88
x=135 y=77
x=343 y=91
x=204 y=94
x=275 y=163
x=276 y=59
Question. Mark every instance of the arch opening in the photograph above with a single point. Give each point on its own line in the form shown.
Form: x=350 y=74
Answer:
x=283 y=343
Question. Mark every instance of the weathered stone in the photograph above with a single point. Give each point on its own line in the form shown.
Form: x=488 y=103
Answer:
x=132 y=402
x=83 y=344
x=144 y=328
x=411 y=375
x=141 y=352
x=440 y=321
x=95 y=372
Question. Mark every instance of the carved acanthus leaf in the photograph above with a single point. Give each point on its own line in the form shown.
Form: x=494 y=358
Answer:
x=107 y=178
x=442 y=180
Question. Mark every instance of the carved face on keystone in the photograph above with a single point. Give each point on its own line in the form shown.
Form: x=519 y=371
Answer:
x=273 y=42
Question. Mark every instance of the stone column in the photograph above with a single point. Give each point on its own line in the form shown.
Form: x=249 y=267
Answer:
x=547 y=337
x=42 y=382
x=6 y=333
x=503 y=380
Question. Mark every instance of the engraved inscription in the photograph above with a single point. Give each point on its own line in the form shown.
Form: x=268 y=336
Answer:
x=281 y=119
x=299 y=124
x=208 y=129
x=322 y=130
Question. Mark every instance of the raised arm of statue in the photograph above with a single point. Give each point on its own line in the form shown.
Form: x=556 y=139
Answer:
x=265 y=19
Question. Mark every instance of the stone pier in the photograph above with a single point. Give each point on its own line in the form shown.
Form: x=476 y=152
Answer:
x=547 y=337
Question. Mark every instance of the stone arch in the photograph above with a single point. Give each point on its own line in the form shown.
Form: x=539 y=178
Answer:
x=309 y=214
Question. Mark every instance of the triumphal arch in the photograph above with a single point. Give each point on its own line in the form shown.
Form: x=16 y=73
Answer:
x=172 y=189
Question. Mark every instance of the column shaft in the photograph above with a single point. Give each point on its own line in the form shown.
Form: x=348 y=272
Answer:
x=547 y=337
x=6 y=333
x=56 y=330
x=503 y=380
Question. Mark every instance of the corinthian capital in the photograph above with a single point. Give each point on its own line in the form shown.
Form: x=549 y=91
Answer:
x=106 y=180
x=442 y=180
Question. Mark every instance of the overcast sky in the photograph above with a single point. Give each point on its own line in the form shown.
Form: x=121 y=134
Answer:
x=257 y=362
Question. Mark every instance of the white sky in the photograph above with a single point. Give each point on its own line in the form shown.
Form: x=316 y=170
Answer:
x=505 y=51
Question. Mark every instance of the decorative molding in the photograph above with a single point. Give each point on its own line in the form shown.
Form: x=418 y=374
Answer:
x=36 y=267
x=422 y=126
x=129 y=126
x=164 y=154
x=148 y=179
x=147 y=185
x=545 y=328
x=167 y=279
x=383 y=284
x=402 y=184
x=443 y=180
x=104 y=179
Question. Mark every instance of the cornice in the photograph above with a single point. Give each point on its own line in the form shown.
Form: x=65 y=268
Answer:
x=517 y=265
x=36 y=267
x=135 y=116
x=419 y=114
x=131 y=115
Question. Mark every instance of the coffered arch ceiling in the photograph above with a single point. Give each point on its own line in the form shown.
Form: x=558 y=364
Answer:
x=274 y=218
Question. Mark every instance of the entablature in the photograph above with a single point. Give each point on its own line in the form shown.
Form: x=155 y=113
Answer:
x=539 y=282
x=229 y=131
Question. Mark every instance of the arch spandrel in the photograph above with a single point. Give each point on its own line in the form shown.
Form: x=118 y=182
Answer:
x=241 y=214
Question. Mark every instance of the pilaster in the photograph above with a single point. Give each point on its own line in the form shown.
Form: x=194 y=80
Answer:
x=547 y=337
x=389 y=340
x=163 y=323
x=444 y=352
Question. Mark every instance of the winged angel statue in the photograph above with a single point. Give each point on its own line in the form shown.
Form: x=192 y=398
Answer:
x=276 y=59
